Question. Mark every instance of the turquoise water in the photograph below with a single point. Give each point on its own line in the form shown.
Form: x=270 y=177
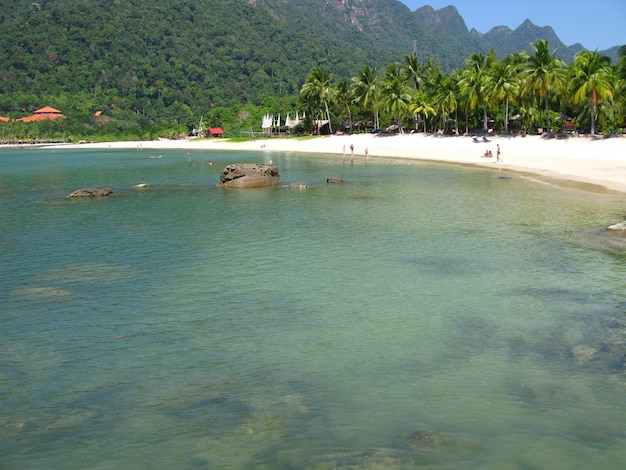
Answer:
x=417 y=315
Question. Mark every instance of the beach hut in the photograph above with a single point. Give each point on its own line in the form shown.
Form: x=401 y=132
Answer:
x=321 y=126
x=4 y=119
x=216 y=131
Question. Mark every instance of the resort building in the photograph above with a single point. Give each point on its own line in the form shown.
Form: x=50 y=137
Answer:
x=42 y=114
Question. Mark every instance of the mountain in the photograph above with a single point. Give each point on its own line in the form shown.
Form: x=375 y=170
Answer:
x=171 y=57
x=446 y=24
x=506 y=41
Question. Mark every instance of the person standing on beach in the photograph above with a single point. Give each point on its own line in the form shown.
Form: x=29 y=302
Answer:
x=498 y=159
x=366 y=152
x=352 y=150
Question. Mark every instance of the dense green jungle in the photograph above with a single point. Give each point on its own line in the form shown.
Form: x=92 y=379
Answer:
x=130 y=69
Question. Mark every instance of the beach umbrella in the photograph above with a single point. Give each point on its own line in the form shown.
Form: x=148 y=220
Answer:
x=450 y=121
x=563 y=117
x=517 y=117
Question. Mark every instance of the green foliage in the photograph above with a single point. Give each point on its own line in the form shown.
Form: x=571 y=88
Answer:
x=485 y=90
x=154 y=67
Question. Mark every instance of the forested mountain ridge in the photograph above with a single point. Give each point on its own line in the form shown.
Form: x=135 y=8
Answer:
x=167 y=59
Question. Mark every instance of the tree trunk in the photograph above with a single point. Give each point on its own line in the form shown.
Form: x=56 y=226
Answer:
x=547 y=113
x=506 y=115
x=330 y=127
x=594 y=107
x=349 y=117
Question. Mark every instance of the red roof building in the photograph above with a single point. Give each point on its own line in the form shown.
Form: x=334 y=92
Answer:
x=42 y=114
x=4 y=119
x=216 y=131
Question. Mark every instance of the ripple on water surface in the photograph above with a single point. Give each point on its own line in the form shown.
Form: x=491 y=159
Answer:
x=415 y=315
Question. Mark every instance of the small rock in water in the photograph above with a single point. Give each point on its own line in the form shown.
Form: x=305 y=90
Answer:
x=334 y=179
x=429 y=439
x=298 y=185
x=99 y=191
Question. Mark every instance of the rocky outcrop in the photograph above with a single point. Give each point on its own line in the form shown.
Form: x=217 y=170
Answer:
x=99 y=191
x=249 y=175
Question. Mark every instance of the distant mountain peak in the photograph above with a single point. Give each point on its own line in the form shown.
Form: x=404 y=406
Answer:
x=527 y=24
x=444 y=20
x=501 y=30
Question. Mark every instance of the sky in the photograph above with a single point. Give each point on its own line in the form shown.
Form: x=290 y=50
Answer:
x=599 y=24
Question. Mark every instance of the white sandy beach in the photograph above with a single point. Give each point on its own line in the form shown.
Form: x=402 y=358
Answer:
x=590 y=163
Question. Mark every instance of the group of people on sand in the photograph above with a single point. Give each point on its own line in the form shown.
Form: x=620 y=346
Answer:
x=489 y=154
x=366 y=151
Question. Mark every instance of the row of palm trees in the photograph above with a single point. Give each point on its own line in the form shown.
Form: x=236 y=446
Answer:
x=486 y=93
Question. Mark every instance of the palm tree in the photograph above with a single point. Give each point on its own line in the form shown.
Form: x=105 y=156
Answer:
x=447 y=99
x=395 y=93
x=421 y=105
x=591 y=81
x=433 y=75
x=366 y=87
x=344 y=95
x=503 y=85
x=414 y=70
x=545 y=73
x=619 y=103
x=318 y=90
x=473 y=83
x=620 y=86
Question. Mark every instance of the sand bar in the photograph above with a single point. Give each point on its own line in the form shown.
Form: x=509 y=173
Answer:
x=589 y=163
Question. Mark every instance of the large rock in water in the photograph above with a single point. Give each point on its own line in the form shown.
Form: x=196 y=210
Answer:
x=100 y=191
x=249 y=175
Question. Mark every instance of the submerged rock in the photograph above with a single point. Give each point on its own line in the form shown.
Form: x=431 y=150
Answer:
x=249 y=175
x=619 y=226
x=297 y=185
x=41 y=291
x=364 y=459
x=421 y=439
x=334 y=180
x=99 y=191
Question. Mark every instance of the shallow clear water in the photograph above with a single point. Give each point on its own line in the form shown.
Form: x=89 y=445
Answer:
x=415 y=316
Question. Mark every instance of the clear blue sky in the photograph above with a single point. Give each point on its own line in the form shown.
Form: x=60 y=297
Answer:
x=598 y=24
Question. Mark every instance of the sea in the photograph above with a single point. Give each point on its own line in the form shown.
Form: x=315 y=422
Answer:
x=416 y=315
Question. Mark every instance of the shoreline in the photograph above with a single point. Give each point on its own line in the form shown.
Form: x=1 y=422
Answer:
x=587 y=163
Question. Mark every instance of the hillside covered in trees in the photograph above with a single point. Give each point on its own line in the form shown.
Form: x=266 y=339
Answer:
x=152 y=65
